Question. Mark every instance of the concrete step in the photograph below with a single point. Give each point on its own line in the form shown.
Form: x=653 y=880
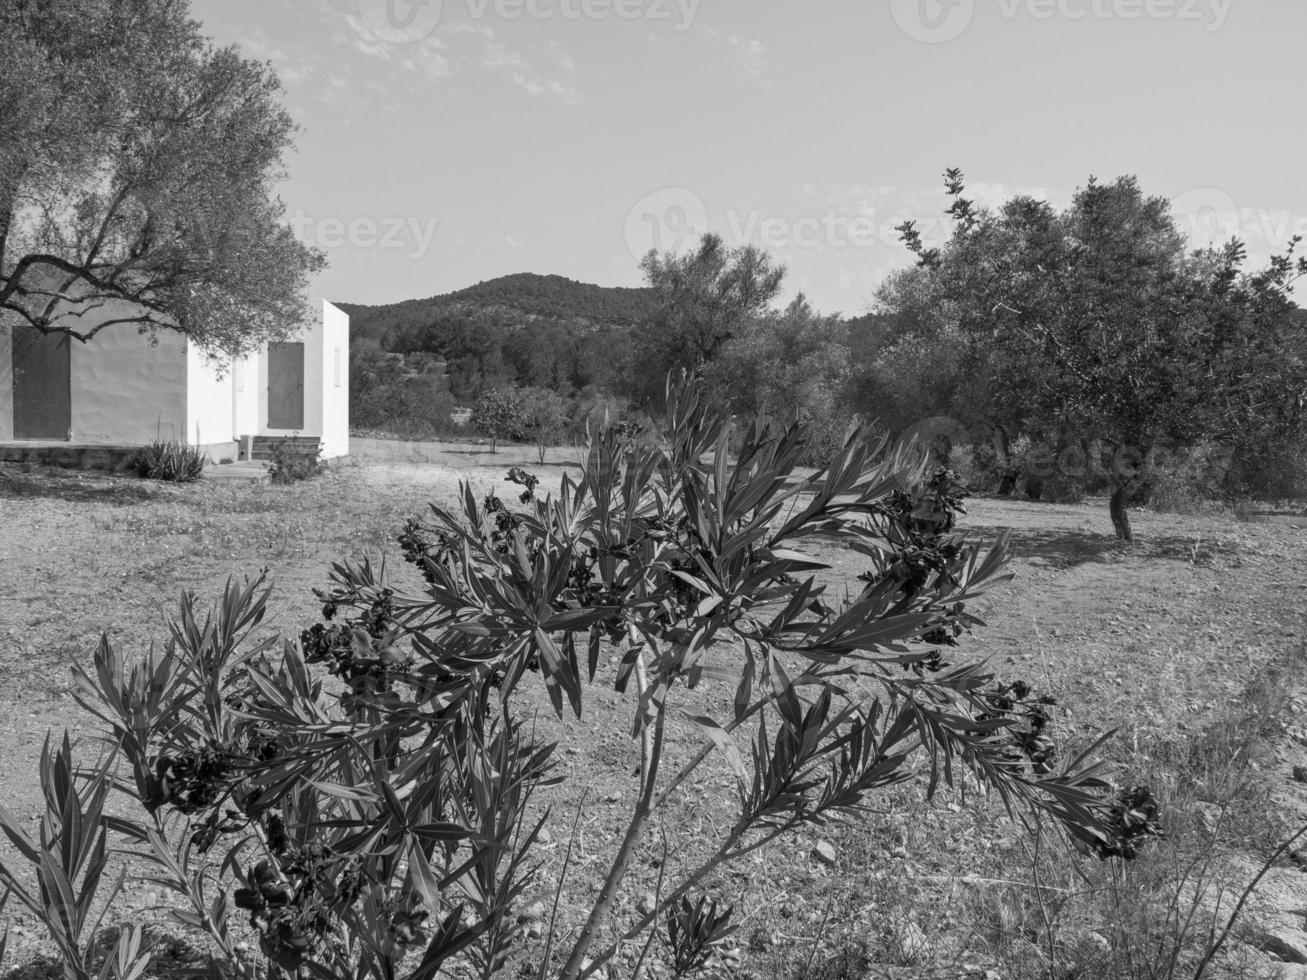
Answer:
x=245 y=471
x=295 y=447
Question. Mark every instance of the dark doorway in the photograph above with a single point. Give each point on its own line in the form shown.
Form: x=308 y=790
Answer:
x=43 y=404
x=285 y=385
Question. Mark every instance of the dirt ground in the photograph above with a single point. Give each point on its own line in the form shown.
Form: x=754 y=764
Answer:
x=1155 y=640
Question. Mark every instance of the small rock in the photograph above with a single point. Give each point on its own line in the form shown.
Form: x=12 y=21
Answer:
x=545 y=837
x=648 y=902
x=824 y=852
x=532 y=913
x=535 y=930
x=1289 y=945
x=912 y=940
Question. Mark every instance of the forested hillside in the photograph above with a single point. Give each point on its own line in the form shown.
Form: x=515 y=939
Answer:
x=415 y=362
x=522 y=297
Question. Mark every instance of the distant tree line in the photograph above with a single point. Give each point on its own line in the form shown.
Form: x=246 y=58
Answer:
x=1054 y=353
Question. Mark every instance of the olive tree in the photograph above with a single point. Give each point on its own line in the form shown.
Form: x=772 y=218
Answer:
x=138 y=166
x=1098 y=323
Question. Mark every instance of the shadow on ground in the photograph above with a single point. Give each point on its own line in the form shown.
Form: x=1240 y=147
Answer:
x=1062 y=549
x=76 y=486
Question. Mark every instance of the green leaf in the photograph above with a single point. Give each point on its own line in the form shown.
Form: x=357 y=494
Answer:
x=723 y=740
x=420 y=877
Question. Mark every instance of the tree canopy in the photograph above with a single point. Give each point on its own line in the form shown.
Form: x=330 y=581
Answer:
x=137 y=172
x=1098 y=323
x=704 y=298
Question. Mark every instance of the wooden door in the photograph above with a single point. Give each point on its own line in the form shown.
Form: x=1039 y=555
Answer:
x=43 y=406
x=286 y=385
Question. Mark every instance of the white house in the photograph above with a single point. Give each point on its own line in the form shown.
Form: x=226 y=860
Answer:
x=122 y=388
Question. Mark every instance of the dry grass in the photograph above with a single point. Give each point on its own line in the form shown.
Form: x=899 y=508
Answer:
x=1187 y=644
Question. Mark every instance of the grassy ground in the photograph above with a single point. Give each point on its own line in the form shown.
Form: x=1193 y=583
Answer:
x=1189 y=644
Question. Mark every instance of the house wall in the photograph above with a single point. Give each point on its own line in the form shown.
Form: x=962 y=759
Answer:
x=245 y=407
x=210 y=394
x=127 y=390
x=6 y=384
x=326 y=404
x=335 y=381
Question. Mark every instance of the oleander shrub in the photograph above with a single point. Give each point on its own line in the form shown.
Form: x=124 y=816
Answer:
x=370 y=795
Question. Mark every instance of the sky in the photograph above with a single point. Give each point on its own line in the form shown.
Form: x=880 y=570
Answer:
x=446 y=142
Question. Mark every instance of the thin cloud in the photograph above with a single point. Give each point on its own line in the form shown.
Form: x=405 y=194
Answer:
x=750 y=55
x=291 y=67
x=497 y=56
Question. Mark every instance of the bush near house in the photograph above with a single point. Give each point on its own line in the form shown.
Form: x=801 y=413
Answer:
x=290 y=466
x=168 y=460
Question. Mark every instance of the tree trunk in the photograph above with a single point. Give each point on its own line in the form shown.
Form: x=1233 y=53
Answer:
x=1117 y=508
x=8 y=195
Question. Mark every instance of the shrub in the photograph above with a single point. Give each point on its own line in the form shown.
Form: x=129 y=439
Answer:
x=290 y=465
x=410 y=409
x=1186 y=482
x=170 y=460
x=393 y=811
x=1266 y=469
x=542 y=417
x=827 y=427
x=497 y=414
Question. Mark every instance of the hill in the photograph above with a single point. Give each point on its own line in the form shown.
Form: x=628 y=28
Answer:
x=523 y=329
x=522 y=298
